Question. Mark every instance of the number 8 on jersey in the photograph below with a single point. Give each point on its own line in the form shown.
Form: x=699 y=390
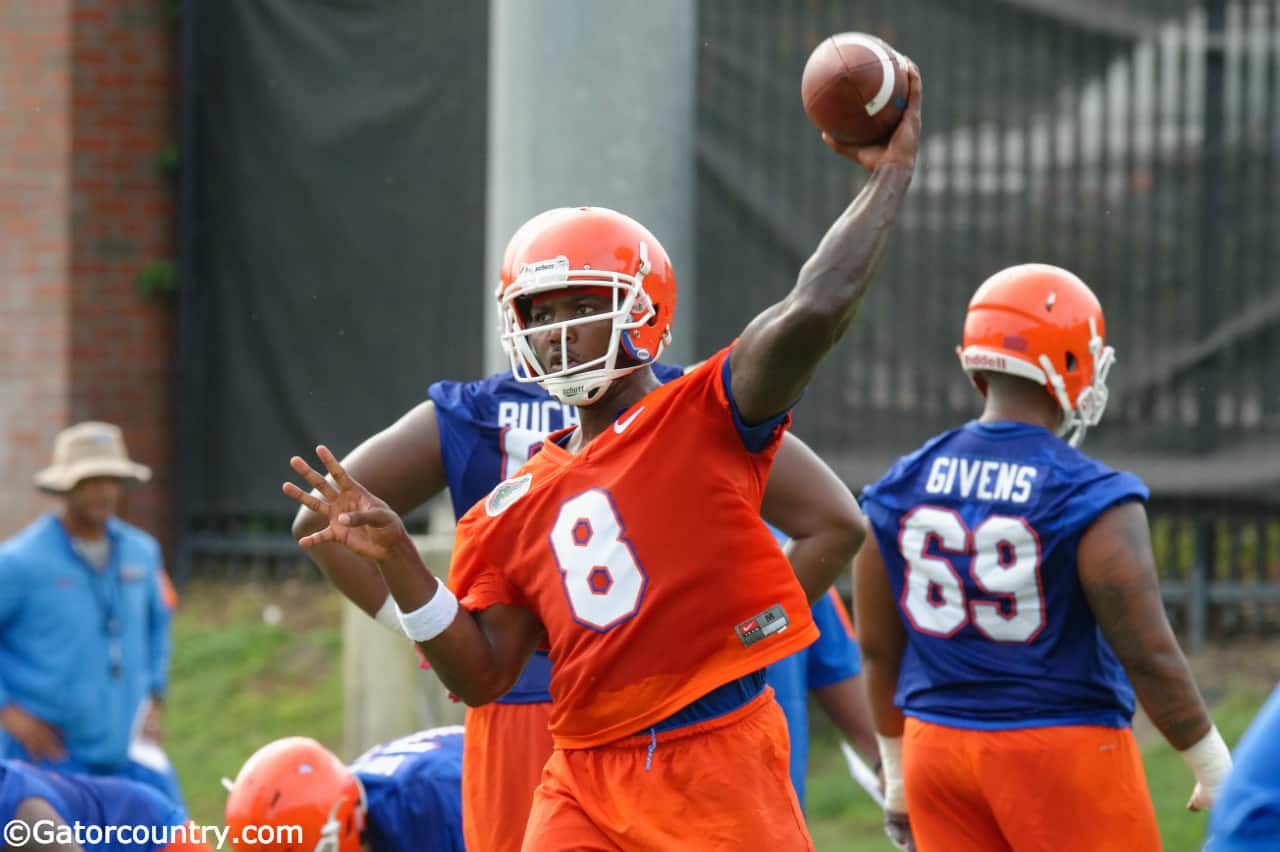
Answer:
x=602 y=576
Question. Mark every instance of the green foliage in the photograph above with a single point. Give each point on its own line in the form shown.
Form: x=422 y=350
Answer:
x=169 y=161
x=157 y=279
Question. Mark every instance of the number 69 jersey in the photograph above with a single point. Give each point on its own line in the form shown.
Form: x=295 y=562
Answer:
x=979 y=530
x=645 y=559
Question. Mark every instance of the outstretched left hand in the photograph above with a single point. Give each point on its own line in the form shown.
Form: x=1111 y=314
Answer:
x=357 y=518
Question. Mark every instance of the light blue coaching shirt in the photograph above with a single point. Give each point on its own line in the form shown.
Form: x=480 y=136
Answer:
x=1246 y=817
x=60 y=622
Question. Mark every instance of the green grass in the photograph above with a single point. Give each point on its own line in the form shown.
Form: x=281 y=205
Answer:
x=237 y=683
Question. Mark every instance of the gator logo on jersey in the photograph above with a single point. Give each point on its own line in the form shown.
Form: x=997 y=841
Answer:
x=508 y=492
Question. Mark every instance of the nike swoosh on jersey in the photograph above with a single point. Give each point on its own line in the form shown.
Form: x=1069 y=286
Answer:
x=620 y=426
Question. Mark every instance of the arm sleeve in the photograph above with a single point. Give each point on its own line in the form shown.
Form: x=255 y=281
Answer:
x=1088 y=501
x=11 y=591
x=160 y=622
x=834 y=657
x=757 y=437
x=473 y=577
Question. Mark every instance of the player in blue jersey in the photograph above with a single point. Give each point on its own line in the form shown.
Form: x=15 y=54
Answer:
x=831 y=669
x=1246 y=817
x=469 y=437
x=1007 y=604
x=400 y=796
x=46 y=810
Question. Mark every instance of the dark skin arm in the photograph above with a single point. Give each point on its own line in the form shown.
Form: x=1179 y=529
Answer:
x=776 y=355
x=479 y=655
x=883 y=640
x=1118 y=574
x=881 y=636
x=806 y=500
x=845 y=703
x=33 y=810
x=402 y=464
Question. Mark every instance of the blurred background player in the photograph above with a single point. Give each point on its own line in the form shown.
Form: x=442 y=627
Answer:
x=31 y=795
x=1246 y=815
x=402 y=796
x=85 y=622
x=831 y=669
x=668 y=600
x=469 y=436
x=1023 y=572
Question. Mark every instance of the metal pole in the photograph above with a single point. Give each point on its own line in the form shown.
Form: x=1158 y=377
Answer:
x=592 y=103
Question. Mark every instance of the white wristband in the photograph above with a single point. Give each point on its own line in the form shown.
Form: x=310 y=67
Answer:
x=430 y=620
x=388 y=615
x=895 y=798
x=1209 y=759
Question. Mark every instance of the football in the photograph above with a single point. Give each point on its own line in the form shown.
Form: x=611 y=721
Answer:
x=855 y=88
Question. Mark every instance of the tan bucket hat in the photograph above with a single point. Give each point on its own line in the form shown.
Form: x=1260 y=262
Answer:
x=85 y=450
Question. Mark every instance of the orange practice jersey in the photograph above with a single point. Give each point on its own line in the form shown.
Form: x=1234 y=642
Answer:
x=645 y=558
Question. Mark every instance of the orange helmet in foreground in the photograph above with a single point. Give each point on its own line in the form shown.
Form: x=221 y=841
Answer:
x=1042 y=323
x=297 y=782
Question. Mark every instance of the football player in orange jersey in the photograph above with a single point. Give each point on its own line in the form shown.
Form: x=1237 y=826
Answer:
x=467 y=437
x=631 y=546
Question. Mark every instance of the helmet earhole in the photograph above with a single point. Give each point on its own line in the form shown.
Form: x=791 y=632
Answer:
x=1072 y=364
x=653 y=320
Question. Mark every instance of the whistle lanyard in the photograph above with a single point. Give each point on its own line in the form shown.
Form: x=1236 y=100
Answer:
x=104 y=585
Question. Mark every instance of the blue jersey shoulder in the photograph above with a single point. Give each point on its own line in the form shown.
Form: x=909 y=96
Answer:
x=414 y=791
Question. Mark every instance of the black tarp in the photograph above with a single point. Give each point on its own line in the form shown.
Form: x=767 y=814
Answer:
x=333 y=229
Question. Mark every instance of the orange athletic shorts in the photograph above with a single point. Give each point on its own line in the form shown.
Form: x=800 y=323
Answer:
x=719 y=784
x=503 y=752
x=1077 y=787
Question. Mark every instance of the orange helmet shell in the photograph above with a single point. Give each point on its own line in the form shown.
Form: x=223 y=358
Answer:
x=588 y=247
x=298 y=782
x=1042 y=323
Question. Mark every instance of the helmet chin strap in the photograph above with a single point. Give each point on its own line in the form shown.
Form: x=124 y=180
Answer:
x=582 y=389
x=585 y=388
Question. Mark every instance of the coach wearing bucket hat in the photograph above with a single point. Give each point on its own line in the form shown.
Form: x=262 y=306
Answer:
x=84 y=622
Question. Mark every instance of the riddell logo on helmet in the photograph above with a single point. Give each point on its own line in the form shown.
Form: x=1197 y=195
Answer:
x=982 y=359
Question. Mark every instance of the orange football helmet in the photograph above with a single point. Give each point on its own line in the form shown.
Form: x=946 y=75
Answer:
x=297 y=781
x=596 y=248
x=1042 y=323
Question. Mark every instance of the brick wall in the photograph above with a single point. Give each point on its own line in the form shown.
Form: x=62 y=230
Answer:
x=92 y=349
x=35 y=244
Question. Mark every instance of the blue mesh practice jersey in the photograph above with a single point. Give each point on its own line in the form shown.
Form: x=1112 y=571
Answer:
x=979 y=530
x=92 y=801
x=488 y=430
x=414 y=790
